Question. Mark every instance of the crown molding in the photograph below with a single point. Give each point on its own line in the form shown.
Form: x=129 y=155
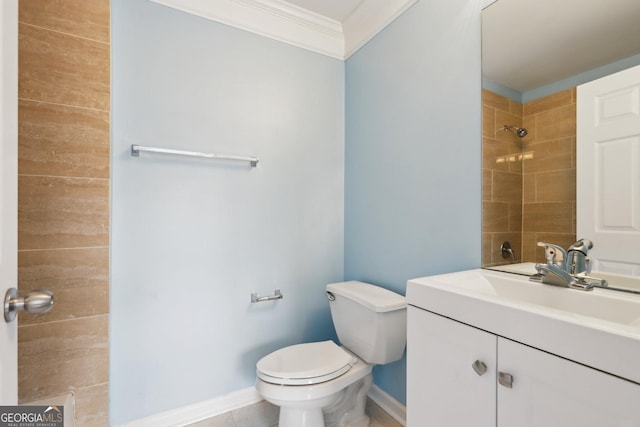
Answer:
x=300 y=27
x=371 y=17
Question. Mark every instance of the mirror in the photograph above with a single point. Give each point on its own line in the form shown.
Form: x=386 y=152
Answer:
x=534 y=54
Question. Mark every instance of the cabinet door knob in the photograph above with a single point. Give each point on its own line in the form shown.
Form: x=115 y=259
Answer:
x=479 y=367
x=505 y=380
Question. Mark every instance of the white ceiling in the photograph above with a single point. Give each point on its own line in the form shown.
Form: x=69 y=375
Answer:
x=527 y=44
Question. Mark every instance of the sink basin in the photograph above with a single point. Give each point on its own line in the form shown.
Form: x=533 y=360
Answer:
x=599 y=328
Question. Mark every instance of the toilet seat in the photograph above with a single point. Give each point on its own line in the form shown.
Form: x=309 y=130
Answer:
x=304 y=364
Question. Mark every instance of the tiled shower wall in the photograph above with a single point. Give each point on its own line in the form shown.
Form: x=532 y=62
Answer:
x=549 y=173
x=529 y=184
x=63 y=202
x=501 y=178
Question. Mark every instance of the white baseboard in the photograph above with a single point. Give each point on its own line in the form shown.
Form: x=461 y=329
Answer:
x=199 y=411
x=390 y=405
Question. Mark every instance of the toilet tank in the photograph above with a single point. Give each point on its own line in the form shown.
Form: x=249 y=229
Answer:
x=370 y=321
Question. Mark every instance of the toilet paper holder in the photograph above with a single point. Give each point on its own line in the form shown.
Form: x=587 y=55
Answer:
x=276 y=295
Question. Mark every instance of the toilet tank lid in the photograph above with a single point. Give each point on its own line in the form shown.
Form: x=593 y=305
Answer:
x=373 y=297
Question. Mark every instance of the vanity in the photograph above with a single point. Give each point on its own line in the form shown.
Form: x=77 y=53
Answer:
x=491 y=348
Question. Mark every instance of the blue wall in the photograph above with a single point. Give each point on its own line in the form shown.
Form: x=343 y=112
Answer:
x=191 y=239
x=413 y=152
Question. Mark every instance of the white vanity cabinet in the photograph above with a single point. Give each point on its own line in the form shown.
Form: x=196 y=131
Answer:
x=442 y=387
x=446 y=385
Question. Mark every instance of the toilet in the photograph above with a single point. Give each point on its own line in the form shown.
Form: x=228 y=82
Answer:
x=322 y=384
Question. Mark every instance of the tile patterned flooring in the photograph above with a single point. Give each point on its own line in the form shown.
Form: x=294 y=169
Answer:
x=264 y=414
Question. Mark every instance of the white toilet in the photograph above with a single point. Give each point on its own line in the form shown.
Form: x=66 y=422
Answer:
x=321 y=384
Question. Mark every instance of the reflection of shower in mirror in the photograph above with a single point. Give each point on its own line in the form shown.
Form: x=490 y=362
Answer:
x=521 y=132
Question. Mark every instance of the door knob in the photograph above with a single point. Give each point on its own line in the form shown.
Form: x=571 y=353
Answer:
x=35 y=302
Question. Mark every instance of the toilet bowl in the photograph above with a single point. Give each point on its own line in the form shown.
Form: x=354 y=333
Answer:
x=314 y=384
x=321 y=384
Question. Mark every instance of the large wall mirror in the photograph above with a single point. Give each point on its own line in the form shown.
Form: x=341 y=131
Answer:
x=534 y=55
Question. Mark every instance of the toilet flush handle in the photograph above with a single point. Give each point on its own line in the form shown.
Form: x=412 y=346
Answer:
x=330 y=296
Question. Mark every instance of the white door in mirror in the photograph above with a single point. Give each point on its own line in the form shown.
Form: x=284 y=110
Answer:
x=608 y=170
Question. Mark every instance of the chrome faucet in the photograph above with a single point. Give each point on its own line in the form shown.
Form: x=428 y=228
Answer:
x=577 y=260
x=554 y=255
x=554 y=275
x=568 y=269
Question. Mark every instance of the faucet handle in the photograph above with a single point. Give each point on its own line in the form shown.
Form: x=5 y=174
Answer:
x=554 y=254
x=582 y=245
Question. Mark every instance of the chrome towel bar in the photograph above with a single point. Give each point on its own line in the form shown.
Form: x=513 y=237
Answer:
x=276 y=295
x=136 y=149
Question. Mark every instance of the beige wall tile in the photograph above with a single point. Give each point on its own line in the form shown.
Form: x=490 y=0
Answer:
x=507 y=187
x=556 y=186
x=557 y=123
x=529 y=123
x=529 y=188
x=515 y=217
x=62 y=212
x=554 y=217
x=494 y=100
x=495 y=217
x=549 y=156
x=495 y=154
x=488 y=121
x=79 y=278
x=550 y=102
x=486 y=184
x=529 y=250
x=88 y=19
x=63 y=69
x=515 y=162
x=486 y=248
x=92 y=406
x=58 y=356
x=57 y=140
x=64 y=62
x=515 y=107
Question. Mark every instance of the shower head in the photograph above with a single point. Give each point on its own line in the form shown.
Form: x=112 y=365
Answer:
x=521 y=132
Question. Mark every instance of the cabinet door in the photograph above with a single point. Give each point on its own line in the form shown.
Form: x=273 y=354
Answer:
x=548 y=391
x=443 y=389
